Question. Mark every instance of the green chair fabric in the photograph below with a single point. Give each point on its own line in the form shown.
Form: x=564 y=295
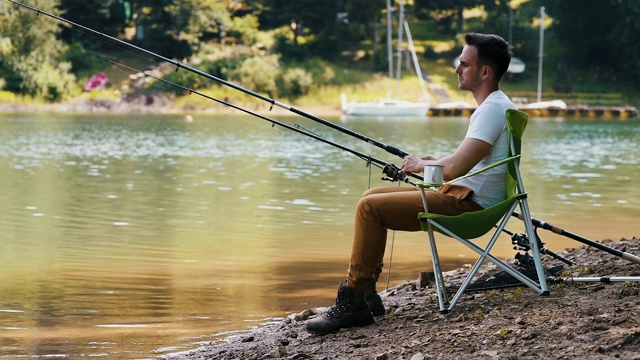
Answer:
x=472 y=225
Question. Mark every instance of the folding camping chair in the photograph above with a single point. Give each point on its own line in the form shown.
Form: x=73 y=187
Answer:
x=472 y=225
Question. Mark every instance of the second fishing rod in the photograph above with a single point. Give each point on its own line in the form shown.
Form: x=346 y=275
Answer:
x=390 y=149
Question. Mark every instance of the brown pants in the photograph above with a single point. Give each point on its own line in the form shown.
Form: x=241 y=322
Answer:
x=395 y=208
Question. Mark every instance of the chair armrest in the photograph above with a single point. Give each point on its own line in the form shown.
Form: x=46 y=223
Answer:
x=423 y=184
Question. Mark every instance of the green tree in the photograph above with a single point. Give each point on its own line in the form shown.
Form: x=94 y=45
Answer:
x=450 y=12
x=31 y=57
x=107 y=16
x=324 y=24
x=318 y=17
x=178 y=28
x=605 y=44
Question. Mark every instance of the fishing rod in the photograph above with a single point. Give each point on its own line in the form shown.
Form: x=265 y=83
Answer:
x=554 y=229
x=178 y=65
x=390 y=171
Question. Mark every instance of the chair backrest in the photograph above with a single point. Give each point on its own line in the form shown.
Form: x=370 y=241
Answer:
x=516 y=124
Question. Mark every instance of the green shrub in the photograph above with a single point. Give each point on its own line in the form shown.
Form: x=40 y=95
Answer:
x=322 y=72
x=187 y=79
x=295 y=82
x=46 y=82
x=259 y=73
x=224 y=67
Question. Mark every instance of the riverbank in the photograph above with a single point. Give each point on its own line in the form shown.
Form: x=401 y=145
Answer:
x=578 y=320
x=158 y=103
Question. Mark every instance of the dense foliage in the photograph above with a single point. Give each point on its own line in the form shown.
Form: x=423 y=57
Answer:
x=264 y=44
x=31 y=58
x=604 y=44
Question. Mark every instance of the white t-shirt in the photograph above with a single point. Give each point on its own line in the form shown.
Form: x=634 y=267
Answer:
x=489 y=124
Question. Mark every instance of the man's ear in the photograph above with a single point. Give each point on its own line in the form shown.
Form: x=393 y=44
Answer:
x=486 y=71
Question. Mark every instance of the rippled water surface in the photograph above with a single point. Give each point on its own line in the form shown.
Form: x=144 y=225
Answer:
x=132 y=237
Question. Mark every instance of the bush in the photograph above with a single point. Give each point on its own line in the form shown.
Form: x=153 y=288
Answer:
x=44 y=81
x=187 y=79
x=260 y=73
x=224 y=67
x=54 y=84
x=295 y=82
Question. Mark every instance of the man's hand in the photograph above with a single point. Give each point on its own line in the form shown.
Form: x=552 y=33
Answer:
x=412 y=164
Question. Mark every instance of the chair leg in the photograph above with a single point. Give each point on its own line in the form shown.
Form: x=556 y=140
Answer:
x=535 y=248
x=435 y=259
x=437 y=271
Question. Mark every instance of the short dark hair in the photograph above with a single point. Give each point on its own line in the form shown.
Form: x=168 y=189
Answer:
x=492 y=50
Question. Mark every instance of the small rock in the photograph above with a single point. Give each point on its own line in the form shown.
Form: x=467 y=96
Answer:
x=304 y=315
x=425 y=279
x=491 y=353
x=248 y=339
x=278 y=352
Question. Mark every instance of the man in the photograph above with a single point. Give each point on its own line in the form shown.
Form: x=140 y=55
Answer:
x=484 y=60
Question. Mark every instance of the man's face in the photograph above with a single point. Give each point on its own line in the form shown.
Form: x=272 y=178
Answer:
x=468 y=70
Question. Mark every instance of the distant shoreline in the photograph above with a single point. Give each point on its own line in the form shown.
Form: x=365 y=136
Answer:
x=158 y=104
x=151 y=104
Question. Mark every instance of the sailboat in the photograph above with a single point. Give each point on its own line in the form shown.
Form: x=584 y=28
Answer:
x=389 y=107
x=384 y=108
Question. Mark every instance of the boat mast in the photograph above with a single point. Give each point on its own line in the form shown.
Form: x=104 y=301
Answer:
x=400 y=21
x=416 y=64
x=541 y=54
x=389 y=40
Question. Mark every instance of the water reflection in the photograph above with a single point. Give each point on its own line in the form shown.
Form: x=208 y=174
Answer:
x=129 y=237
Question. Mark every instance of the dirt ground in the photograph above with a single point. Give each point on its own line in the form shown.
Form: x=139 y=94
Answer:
x=578 y=320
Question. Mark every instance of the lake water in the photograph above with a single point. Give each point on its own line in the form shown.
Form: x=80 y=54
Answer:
x=128 y=237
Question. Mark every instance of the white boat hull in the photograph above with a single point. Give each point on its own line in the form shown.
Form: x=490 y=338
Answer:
x=385 y=108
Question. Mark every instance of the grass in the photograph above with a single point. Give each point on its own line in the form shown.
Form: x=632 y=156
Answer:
x=8 y=97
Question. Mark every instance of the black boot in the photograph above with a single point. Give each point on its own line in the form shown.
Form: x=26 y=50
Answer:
x=350 y=310
x=375 y=301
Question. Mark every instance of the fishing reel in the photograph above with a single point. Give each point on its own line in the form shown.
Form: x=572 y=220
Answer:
x=522 y=242
x=394 y=173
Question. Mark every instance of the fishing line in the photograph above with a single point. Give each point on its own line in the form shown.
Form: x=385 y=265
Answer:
x=121 y=67
x=178 y=65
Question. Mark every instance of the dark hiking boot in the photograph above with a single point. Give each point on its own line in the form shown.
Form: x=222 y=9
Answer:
x=375 y=301
x=350 y=310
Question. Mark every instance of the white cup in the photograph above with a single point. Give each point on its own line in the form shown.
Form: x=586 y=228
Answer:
x=434 y=174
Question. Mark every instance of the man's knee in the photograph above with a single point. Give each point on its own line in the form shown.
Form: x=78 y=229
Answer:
x=364 y=205
x=369 y=192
